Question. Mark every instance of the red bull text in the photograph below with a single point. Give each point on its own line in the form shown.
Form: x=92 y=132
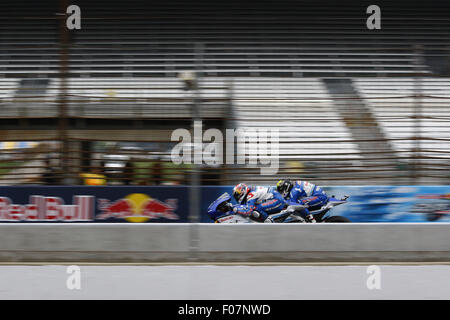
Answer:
x=43 y=208
x=136 y=207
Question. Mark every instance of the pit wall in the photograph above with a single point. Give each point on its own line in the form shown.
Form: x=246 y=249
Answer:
x=215 y=243
x=169 y=204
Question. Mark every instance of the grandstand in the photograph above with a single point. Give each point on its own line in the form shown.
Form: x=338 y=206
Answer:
x=397 y=116
x=352 y=105
x=237 y=40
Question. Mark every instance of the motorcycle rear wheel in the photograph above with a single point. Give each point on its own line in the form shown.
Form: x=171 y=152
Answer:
x=337 y=219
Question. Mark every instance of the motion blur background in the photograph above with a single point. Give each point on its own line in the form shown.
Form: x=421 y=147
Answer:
x=360 y=111
x=353 y=106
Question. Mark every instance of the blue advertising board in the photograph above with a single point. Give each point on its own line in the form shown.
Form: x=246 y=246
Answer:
x=94 y=204
x=395 y=203
x=375 y=203
x=171 y=203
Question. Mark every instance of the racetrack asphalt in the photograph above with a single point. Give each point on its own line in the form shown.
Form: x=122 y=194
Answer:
x=226 y=281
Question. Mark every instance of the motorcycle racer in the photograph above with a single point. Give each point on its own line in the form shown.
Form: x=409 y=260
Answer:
x=258 y=202
x=302 y=192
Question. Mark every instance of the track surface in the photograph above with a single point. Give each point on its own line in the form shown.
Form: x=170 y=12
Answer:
x=187 y=282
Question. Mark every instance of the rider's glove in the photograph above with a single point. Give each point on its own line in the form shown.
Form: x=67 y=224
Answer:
x=230 y=207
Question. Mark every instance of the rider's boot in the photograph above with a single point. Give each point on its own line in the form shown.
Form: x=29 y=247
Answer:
x=269 y=220
x=278 y=216
x=257 y=216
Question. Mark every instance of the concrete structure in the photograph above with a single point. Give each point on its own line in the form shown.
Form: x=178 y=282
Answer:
x=155 y=242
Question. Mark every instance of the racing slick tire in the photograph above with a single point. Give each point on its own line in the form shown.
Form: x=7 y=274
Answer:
x=337 y=219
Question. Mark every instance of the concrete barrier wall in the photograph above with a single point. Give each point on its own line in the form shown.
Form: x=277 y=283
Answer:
x=327 y=242
x=117 y=242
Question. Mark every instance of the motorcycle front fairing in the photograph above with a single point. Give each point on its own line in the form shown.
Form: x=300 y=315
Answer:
x=215 y=209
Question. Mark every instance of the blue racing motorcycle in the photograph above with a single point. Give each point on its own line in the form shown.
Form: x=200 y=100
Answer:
x=221 y=211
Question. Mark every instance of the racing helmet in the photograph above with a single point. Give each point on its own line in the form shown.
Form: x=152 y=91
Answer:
x=240 y=192
x=284 y=187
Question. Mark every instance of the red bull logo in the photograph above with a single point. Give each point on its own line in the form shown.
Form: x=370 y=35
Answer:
x=43 y=208
x=137 y=207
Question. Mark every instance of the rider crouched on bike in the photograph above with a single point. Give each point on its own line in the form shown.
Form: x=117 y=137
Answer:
x=304 y=193
x=257 y=202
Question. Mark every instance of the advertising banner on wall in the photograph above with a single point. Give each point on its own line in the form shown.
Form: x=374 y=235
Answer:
x=375 y=203
x=146 y=204
x=94 y=204
x=395 y=203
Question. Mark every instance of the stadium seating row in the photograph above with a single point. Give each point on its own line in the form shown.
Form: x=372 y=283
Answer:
x=301 y=108
x=233 y=42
